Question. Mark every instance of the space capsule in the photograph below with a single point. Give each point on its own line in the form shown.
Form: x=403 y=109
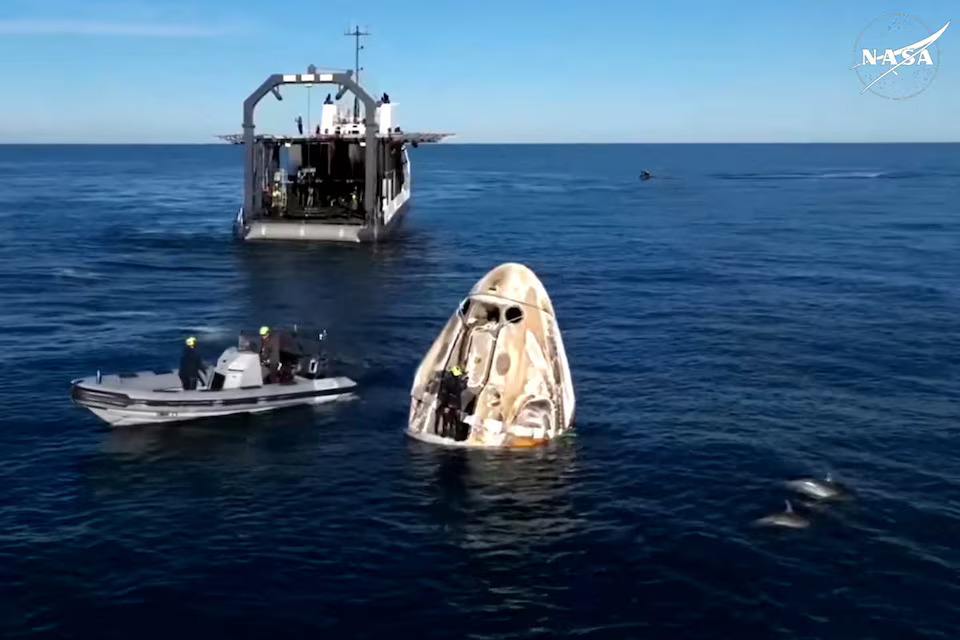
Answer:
x=497 y=375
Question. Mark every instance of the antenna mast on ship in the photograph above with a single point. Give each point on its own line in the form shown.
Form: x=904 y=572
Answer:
x=357 y=34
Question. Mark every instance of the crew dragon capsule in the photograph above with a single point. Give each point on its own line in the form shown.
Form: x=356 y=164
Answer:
x=497 y=375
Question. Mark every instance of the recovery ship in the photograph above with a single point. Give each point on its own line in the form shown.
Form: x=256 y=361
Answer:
x=347 y=180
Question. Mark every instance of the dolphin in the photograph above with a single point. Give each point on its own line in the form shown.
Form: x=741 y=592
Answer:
x=826 y=489
x=645 y=175
x=788 y=519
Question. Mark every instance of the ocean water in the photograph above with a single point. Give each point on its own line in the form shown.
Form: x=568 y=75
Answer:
x=752 y=313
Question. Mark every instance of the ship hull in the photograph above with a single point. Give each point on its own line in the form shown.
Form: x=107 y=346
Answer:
x=269 y=230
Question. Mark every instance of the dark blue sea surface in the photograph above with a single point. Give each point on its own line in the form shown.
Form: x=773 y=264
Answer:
x=750 y=314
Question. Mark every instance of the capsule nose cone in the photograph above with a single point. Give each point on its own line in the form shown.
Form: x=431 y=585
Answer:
x=516 y=282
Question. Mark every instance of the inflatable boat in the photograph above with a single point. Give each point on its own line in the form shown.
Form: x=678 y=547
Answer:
x=235 y=385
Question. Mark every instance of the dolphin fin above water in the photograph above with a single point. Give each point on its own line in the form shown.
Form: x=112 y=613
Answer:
x=788 y=519
x=826 y=489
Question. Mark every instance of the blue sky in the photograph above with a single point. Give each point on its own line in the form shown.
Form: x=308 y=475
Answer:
x=492 y=71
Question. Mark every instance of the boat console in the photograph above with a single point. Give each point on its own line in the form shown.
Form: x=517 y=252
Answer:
x=237 y=370
x=241 y=367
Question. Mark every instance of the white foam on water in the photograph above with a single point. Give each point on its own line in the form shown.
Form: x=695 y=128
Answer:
x=212 y=332
x=79 y=274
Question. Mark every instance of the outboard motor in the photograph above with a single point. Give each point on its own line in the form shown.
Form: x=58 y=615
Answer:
x=312 y=367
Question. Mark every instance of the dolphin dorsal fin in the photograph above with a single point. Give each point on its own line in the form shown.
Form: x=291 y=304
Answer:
x=789 y=506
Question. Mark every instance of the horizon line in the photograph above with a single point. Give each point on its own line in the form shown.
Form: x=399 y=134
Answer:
x=727 y=142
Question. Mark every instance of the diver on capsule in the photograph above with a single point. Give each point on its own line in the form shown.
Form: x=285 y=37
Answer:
x=190 y=365
x=452 y=386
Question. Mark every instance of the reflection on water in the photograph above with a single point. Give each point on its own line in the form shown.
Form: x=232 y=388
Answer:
x=225 y=440
x=496 y=500
x=346 y=290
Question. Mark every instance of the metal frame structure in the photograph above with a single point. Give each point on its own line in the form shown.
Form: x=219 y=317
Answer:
x=252 y=198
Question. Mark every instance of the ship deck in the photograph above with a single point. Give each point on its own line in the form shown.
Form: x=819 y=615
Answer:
x=398 y=137
x=324 y=215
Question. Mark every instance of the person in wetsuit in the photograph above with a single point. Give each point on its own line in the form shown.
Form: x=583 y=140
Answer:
x=452 y=384
x=269 y=354
x=190 y=365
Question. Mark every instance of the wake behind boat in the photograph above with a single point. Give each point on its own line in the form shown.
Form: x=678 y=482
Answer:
x=235 y=385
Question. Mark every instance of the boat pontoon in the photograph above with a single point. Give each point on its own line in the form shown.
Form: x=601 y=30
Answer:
x=235 y=385
x=347 y=180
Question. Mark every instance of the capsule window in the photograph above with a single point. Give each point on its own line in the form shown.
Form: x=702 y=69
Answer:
x=493 y=313
x=513 y=315
x=464 y=307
